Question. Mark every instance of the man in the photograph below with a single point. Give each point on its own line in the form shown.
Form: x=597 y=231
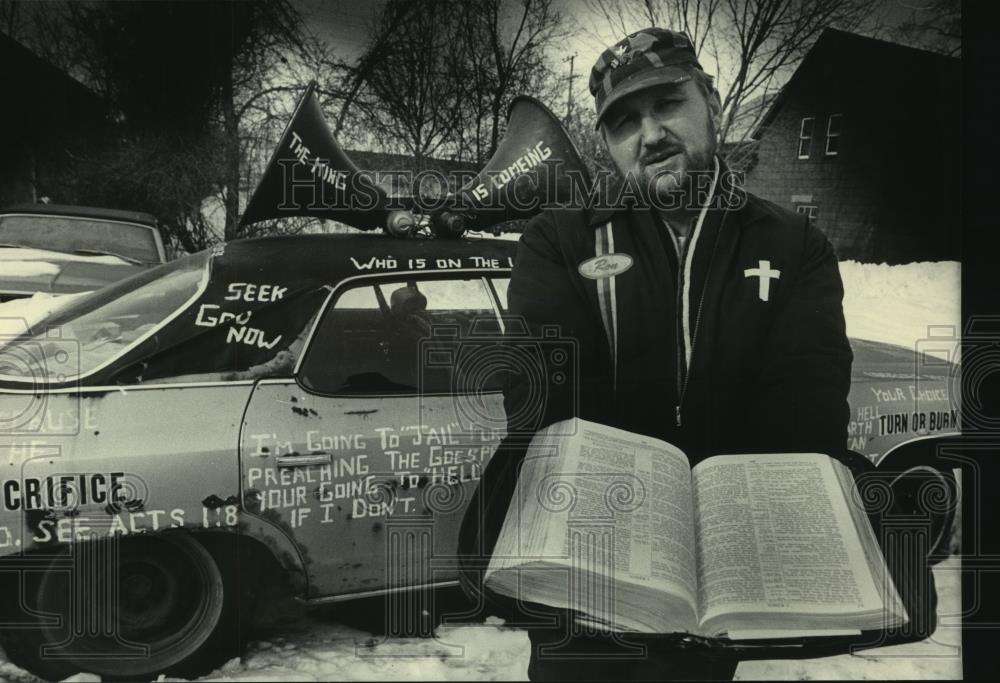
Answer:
x=702 y=315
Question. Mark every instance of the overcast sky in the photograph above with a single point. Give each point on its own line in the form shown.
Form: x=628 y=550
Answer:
x=344 y=24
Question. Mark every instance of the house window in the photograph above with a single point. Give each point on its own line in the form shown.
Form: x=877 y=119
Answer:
x=833 y=134
x=810 y=210
x=805 y=136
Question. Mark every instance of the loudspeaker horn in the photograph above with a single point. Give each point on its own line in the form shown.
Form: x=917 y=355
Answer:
x=536 y=166
x=310 y=175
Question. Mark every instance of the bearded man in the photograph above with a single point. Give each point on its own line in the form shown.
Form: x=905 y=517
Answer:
x=701 y=315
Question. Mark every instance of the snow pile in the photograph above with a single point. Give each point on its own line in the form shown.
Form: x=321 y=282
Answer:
x=12 y=674
x=30 y=254
x=903 y=304
x=29 y=269
x=18 y=315
x=326 y=650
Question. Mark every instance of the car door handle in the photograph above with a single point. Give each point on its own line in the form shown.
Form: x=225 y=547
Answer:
x=302 y=460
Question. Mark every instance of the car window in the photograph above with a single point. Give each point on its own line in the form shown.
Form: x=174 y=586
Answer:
x=500 y=285
x=400 y=337
x=84 y=236
x=229 y=351
x=96 y=329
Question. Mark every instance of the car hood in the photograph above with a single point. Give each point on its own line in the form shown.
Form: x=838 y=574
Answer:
x=55 y=273
x=876 y=361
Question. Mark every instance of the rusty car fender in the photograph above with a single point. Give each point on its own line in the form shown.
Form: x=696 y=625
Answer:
x=80 y=465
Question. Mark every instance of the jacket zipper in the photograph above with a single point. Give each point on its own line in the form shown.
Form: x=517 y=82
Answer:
x=682 y=380
x=681 y=374
x=684 y=371
x=694 y=334
x=679 y=324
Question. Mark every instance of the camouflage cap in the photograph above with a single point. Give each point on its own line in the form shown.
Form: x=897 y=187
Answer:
x=652 y=56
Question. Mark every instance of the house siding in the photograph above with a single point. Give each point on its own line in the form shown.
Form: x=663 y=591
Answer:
x=890 y=194
x=45 y=112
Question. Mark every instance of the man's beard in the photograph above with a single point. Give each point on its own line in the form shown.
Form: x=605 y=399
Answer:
x=669 y=189
x=683 y=188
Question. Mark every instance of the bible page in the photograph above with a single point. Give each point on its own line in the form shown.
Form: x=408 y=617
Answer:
x=775 y=535
x=637 y=490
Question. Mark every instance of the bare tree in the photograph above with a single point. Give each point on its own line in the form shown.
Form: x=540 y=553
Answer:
x=10 y=18
x=186 y=72
x=694 y=17
x=437 y=75
x=504 y=55
x=415 y=96
x=936 y=25
x=272 y=29
x=52 y=30
x=751 y=45
x=382 y=32
x=582 y=128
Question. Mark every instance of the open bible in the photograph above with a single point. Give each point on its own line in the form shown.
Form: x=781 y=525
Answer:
x=619 y=529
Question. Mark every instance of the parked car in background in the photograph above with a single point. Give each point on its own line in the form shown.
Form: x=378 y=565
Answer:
x=59 y=249
x=317 y=407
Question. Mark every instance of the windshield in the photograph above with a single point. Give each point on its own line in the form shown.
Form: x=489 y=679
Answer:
x=90 y=333
x=80 y=236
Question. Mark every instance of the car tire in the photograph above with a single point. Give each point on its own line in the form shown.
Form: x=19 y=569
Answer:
x=179 y=609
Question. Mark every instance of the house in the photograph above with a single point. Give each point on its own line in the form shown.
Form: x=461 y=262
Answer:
x=44 y=112
x=400 y=171
x=865 y=138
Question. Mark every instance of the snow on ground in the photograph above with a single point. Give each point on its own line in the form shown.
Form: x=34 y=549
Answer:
x=938 y=657
x=323 y=650
x=893 y=304
x=319 y=649
x=903 y=304
x=485 y=652
x=299 y=645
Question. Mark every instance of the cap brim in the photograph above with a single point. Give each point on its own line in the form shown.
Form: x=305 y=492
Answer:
x=664 y=75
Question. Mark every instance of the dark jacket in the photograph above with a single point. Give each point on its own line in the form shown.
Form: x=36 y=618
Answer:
x=747 y=375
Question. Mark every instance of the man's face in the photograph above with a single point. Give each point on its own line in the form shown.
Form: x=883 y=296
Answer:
x=663 y=134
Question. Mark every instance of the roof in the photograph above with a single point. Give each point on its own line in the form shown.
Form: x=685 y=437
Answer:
x=388 y=166
x=45 y=93
x=302 y=263
x=899 y=67
x=330 y=258
x=280 y=281
x=81 y=212
x=394 y=162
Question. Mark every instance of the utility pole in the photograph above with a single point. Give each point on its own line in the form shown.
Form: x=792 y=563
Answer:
x=569 y=94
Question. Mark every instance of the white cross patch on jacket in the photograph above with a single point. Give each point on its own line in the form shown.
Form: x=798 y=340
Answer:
x=765 y=273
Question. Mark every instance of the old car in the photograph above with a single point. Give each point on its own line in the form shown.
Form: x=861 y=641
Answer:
x=317 y=407
x=61 y=249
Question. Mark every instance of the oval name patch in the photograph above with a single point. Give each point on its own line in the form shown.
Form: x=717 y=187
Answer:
x=605 y=266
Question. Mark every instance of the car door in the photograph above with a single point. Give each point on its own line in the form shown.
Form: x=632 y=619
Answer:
x=369 y=456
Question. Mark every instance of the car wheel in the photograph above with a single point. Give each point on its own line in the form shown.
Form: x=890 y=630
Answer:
x=169 y=605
